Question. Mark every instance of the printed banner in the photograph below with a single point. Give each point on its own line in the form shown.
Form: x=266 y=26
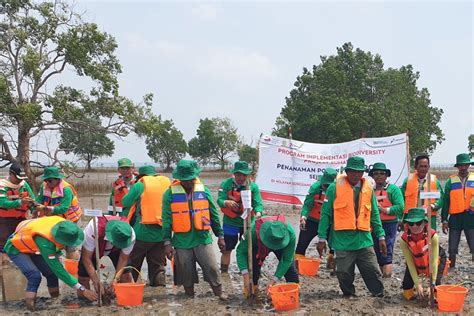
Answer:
x=287 y=168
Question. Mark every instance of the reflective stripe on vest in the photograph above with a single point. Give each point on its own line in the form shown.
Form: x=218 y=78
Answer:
x=74 y=212
x=152 y=198
x=344 y=210
x=26 y=231
x=384 y=201
x=412 y=192
x=180 y=212
x=419 y=250
x=461 y=198
x=13 y=195
x=318 y=200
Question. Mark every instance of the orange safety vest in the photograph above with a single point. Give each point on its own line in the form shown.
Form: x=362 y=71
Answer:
x=412 y=192
x=318 y=200
x=235 y=196
x=26 y=231
x=120 y=190
x=15 y=194
x=461 y=198
x=151 y=199
x=344 y=210
x=382 y=199
x=53 y=198
x=180 y=212
x=418 y=246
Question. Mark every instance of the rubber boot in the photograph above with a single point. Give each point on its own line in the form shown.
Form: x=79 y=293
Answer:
x=330 y=263
x=452 y=259
x=30 y=301
x=53 y=291
x=218 y=292
x=189 y=290
x=409 y=294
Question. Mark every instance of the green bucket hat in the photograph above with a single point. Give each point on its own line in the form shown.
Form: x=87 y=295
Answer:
x=125 y=162
x=381 y=167
x=67 y=233
x=415 y=214
x=52 y=173
x=242 y=167
x=274 y=235
x=119 y=233
x=355 y=163
x=329 y=175
x=147 y=171
x=186 y=170
x=463 y=159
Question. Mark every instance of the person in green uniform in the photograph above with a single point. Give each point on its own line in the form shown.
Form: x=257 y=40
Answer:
x=311 y=213
x=189 y=214
x=230 y=202
x=35 y=248
x=458 y=207
x=121 y=186
x=269 y=234
x=391 y=205
x=145 y=203
x=351 y=227
x=16 y=198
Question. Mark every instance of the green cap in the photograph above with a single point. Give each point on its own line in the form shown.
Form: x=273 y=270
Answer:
x=186 y=170
x=242 y=167
x=119 y=233
x=125 y=162
x=147 y=171
x=329 y=175
x=274 y=235
x=67 y=233
x=381 y=167
x=415 y=214
x=463 y=159
x=355 y=163
x=52 y=173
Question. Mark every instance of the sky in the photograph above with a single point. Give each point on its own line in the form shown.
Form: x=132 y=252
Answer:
x=240 y=59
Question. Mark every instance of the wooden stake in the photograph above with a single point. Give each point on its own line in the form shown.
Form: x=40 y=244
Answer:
x=97 y=258
x=248 y=227
x=430 y=253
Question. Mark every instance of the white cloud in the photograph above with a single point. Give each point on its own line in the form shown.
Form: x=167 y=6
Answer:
x=206 y=12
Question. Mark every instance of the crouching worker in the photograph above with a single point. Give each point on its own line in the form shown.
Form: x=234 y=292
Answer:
x=414 y=245
x=269 y=234
x=116 y=240
x=35 y=247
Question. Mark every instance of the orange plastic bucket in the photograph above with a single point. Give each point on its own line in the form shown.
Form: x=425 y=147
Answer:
x=285 y=297
x=71 y=266
x=129 y=294
x=450 y=297
x=308 y=266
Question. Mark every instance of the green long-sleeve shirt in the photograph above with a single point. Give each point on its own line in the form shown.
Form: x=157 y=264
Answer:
x=457 y=221
x=314 y=189
x=395 y=196
x=50 y=254
x=438 y=203
x=143 y=232
x=5 y=203
x=348 y=239
x=65 y=203
x=288 y=253
x=411 y=263
x=195 y=237
x=228 y=185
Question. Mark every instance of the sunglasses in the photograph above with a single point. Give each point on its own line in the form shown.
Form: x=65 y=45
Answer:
x=379 y=173
x=417 y=223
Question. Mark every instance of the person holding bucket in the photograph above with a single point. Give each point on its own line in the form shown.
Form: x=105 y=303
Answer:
x=311 y=213
x=230 y=202
x=458 y=207
x=116 y=240
x=391 y=205
x=189 y=214
x=121 y=185
x=269 y=234
x=35 y=247
x=414 y=245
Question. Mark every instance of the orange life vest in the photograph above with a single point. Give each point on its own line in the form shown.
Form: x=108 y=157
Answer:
x=235 y=196
x=120 y=190
x=13 y=195
x=412 y=192
x=53 y=198
x=384 y=201
x=344 y=209
x=418 y=246
x=461 y=198
x=151 y=199
x=181 y=214
x=26 y=231
x=318 y=200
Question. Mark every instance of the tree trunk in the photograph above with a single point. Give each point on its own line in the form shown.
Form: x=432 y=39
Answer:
x=88 y=162
x=23 y=155
x=222 y=164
